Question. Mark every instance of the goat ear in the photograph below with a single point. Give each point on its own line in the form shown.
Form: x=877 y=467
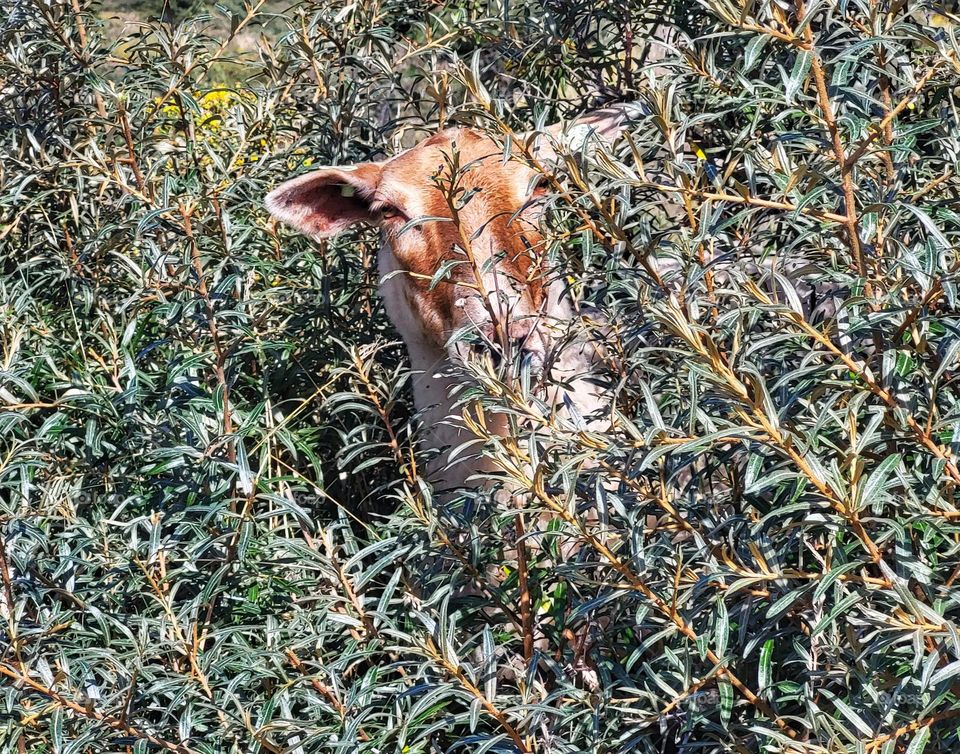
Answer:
x=323 y=203
x=604 y=126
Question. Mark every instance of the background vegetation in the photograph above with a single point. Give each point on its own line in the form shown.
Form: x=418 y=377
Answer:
x=213 y=534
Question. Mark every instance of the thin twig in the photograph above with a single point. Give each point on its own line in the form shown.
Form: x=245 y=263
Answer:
x=846 y=174
x=635 y=582
x=323 y=690
x=487 y=704
x=93 y=714
x=919 y=433
x=882 y=127
x=752 y=201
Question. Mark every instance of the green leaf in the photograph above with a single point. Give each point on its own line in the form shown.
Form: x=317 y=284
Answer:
x=801 y=67
x=919 y=742
x=752 y=53
x=765 y=670
x=876 y=483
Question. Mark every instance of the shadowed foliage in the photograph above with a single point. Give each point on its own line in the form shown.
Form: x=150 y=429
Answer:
x=214 y=533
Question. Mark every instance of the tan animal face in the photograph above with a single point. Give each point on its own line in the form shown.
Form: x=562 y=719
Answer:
x=451 y=206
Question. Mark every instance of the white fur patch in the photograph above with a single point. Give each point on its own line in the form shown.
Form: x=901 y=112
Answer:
x=576 y=137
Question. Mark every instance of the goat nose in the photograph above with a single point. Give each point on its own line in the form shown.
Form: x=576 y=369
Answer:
x=492 y=348
x=529 y=355
x=496 y=355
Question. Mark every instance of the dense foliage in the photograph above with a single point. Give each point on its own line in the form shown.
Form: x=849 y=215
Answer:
x=213 y=532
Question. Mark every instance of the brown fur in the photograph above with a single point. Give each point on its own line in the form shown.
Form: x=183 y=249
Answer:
x=511 y=304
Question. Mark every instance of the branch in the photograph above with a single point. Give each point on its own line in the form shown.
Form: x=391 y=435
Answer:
x=658 y=603
x=322 y=690
x=846 y=176
x=880 y=128
x=878 y=390
x=749 y=200
x=91 y=713
x=491 y=709
x=916 y=725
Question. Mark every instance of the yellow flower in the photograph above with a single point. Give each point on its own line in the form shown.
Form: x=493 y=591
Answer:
x=216 y=100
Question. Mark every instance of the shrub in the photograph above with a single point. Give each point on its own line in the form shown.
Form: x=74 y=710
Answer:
x=214 y=534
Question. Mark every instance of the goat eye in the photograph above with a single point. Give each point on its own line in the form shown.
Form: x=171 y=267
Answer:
x=389 y=213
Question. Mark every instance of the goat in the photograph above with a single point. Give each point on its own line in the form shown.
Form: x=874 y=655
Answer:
x=456 y=256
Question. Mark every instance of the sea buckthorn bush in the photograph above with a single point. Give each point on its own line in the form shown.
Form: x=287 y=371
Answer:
x=215 y=534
